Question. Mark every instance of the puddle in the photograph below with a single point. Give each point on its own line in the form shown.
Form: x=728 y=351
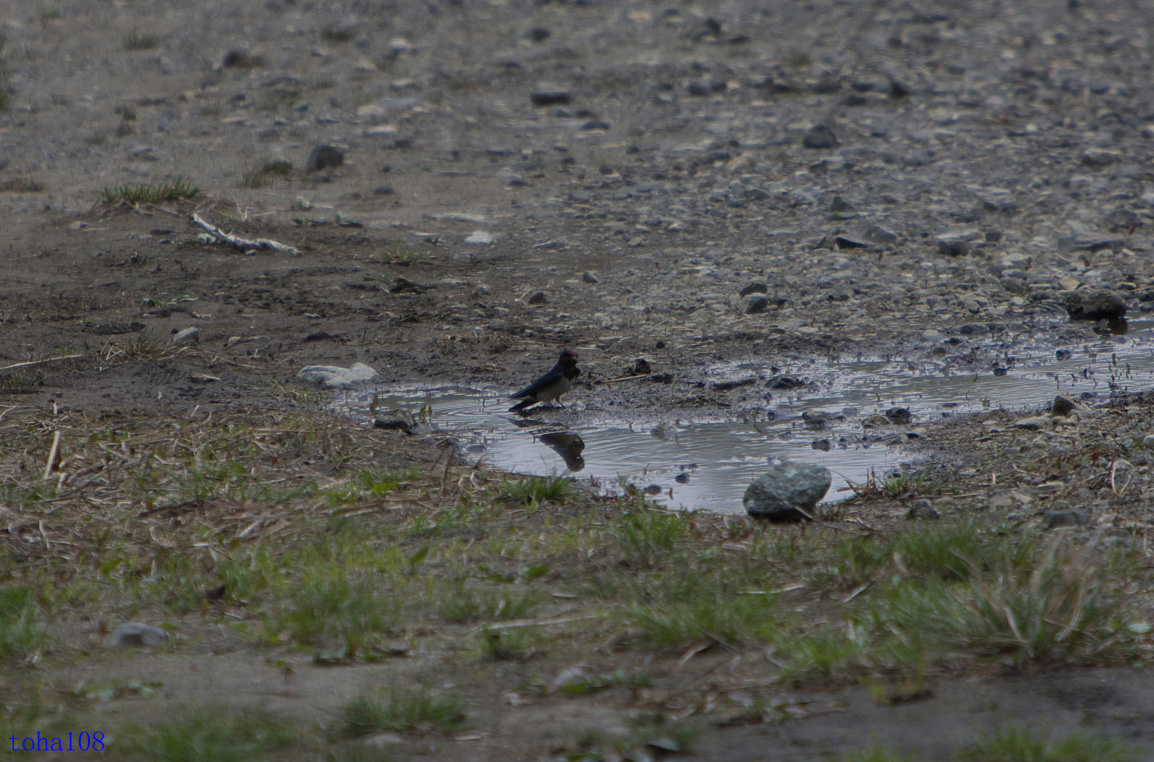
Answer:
x=708 y=464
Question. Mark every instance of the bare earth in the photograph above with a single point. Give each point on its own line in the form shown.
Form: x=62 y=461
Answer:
x=470 y=234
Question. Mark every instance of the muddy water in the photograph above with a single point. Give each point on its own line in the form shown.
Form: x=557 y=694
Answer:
x=708 y=463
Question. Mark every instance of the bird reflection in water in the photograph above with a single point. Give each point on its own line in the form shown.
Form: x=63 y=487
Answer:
x=568 y=445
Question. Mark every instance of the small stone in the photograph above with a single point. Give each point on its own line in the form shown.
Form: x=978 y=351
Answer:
x=1062 y=405
x=784 y=383
x=819 y=137
x=1098 y=158
x=383 y=190
x=188 y=336
x=653 y=489
x=879 y=235
x=1034 y=423
x=682 y=478
x=899 y=415
x=588 y=277
x=136 y=635
x=952 y=246
x=787 y=492
x=924 y=510
x=754 y=304
x=1071 y=518
x=821 y=445
x=639 y=367
x=479 y=237
x=324 y=157
x=1095 y=305
x=395 y=419
x=549 y=97
x=756 y=287
x=537 y=299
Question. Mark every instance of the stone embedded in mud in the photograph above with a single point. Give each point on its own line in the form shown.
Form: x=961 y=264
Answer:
x=1095 y=305
x=819 y=137
x=952 y=246
x=324 y=157
x=186 y=336
x=787 y=492
x=754 y=304
x=1074 y=518
x=136 y=635
x=395 y=420
x=1062 y=405
x=899 y=415
x=923 y=509
x=336 y=377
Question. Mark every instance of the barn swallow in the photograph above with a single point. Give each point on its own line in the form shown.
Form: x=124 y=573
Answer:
x=550 y=386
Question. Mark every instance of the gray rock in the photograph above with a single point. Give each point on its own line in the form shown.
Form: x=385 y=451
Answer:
x=754 y=304
x=1072 y=518
x=879 y=235
x=549 y=97
x=1095 y=305
x=136 y=635
x=324 y=157
x=924 y=510
x=787 y=491
x=588 y=277
x=1062 y=405
x=819 y=137
x=188 y=336
x=755 y=287
x=336 y=377
x=1148 y=441
x=899 y=415
x=479 y=237
x=395 y=419
x=1034 y=423
x=952 y=246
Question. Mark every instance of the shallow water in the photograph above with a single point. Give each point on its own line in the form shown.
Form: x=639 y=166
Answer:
x=709 y=463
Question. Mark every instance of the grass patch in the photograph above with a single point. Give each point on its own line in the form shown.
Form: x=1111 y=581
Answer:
x=705 y=612
x=22 y=184
x=261 y=176
x=646 y=536
x=22 y=627
x=1019 y=744
x=538 y=489
x=463 y=602
x=325 y=607
x=155 y=193
x=413 y=711
x=221 y=735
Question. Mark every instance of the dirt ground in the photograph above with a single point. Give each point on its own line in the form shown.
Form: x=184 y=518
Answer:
x=617 y=178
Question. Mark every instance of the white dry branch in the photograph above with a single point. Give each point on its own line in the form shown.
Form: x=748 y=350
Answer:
x=246 y=245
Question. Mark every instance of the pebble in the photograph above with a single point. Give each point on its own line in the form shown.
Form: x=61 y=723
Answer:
x=1062 y=405
x=819 y=137
x=924 y=510
x=479 y=237
x=899 y=415
x=395 y=419
x=588 y=277
x=754 y=304
x=324 y=157
x=136 y=635
x=1054 y=519
x=187 y=336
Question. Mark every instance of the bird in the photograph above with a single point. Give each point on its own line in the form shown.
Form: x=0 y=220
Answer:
x=550 y=386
